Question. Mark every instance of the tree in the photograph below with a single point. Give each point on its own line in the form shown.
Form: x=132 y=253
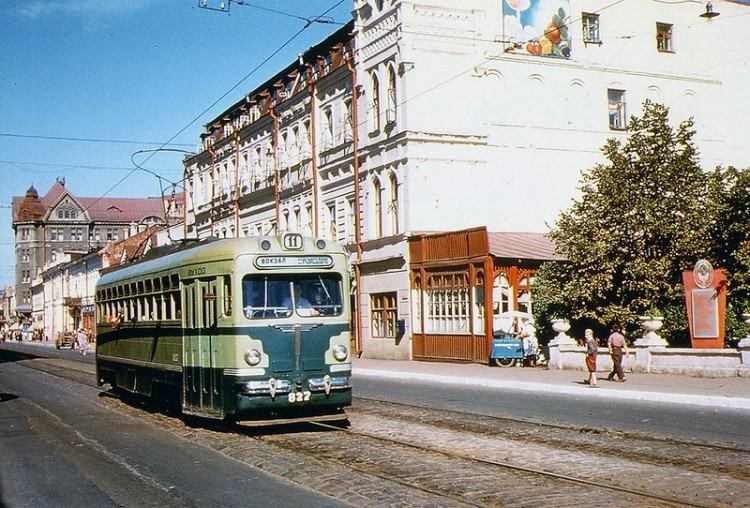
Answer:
x=641 y=220
x=729 y=195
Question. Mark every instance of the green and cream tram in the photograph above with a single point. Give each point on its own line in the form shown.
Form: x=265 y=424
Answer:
x=254 y=329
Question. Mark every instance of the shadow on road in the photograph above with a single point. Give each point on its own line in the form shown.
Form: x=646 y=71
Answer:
x=4 y=397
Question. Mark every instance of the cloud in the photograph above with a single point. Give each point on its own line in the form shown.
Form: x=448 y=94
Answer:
x=81 y=8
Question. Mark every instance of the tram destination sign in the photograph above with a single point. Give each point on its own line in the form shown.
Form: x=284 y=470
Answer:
x=268 y=262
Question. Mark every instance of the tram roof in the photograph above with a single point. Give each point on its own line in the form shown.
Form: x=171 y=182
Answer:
x=168 y=257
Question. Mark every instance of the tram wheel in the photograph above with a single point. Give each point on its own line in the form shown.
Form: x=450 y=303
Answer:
x=504 y=362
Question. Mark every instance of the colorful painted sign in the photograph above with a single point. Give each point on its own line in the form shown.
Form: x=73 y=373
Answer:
x=538 y=27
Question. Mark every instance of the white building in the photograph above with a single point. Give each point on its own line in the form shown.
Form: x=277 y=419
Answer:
x=453 y=115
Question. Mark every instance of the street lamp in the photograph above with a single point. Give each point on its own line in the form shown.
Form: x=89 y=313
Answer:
x=710 y=13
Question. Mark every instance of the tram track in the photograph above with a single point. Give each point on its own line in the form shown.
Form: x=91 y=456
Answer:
x=699 y=444
x=516 y=467
x=691 y=455
x=483 y=455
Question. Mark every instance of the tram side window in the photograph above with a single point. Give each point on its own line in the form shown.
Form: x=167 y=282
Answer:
x=227 y=282
x=279 y=295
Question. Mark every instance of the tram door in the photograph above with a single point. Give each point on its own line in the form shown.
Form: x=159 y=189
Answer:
x=201 y=377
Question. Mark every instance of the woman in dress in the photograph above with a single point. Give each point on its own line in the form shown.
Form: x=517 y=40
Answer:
x=592 y=347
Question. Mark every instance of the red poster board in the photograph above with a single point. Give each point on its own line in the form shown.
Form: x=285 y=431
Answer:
x=706 y=300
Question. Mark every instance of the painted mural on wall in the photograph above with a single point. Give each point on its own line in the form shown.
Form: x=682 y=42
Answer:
x=538 y=27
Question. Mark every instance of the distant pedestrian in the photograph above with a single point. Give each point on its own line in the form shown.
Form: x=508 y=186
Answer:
x=529 y=340
x=83 y=343
x=592 y=346
x=617 y=346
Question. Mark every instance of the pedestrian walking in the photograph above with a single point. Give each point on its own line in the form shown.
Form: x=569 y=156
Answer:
x=592 y=346
x=83 y=343
x=617 y=346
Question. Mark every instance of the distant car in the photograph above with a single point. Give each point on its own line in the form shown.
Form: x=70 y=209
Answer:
x=65 y=340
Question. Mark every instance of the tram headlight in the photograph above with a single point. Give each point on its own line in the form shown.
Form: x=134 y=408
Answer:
x=321 y=244
x=340 y=353
x=252 y=357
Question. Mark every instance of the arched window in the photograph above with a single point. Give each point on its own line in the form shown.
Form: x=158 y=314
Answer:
x=327 y=128
x=348 y=121
x=308 y=219
x=393 y=204
x=390 y=112
x=377 y=193
x=294 y=143
x=296 y=220
x=374 y=103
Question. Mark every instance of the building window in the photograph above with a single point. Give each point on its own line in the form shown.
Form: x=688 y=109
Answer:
x=590 y=24
x=308 y=219
x=348 y=121
x=294 y=145
x=447 y=302
x=25 y=276
x=351 y=221
x=332 y=231
x=390 y=112
x=25 y=255
x=113 y=234
x=377 y=192
x=327 y=128
x=76 y=234
x=374 y=103
x=296 y=222
x=384 y=314
x=664 y=41
x=616 y=103
x=393 y=205
x=25 y=235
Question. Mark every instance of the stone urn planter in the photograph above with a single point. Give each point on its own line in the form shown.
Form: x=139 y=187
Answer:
x=651 y=324
x=561 y=326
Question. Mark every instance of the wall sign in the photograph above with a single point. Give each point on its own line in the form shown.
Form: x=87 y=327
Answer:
x=269 y=262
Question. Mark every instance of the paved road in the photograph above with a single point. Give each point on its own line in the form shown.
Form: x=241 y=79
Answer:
x=59 y=447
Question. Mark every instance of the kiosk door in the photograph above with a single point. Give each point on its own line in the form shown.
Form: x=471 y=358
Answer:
x=201 y=379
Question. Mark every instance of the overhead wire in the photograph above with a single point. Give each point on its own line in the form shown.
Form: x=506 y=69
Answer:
x=86 y=140
x=218 y=100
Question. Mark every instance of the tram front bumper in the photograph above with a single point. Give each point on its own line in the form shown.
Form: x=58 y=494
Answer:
x=275 y=387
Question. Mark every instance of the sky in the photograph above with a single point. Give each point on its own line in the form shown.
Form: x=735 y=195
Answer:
x=85 y=85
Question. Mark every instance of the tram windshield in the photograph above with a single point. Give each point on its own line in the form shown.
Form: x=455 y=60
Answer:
x=280 y=295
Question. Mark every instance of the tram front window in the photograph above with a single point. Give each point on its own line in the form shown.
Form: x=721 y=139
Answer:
x=280 y=296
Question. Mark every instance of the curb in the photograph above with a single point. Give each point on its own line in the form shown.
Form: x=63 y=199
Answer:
x=672 y=398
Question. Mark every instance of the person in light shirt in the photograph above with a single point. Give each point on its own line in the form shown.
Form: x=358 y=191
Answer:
x=530 y=342
x=302 y=304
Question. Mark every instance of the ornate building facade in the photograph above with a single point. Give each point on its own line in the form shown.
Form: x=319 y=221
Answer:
x=423 y=134
x=51 y=228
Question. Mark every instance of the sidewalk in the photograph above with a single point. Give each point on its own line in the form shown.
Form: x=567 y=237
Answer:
x=725 y=393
